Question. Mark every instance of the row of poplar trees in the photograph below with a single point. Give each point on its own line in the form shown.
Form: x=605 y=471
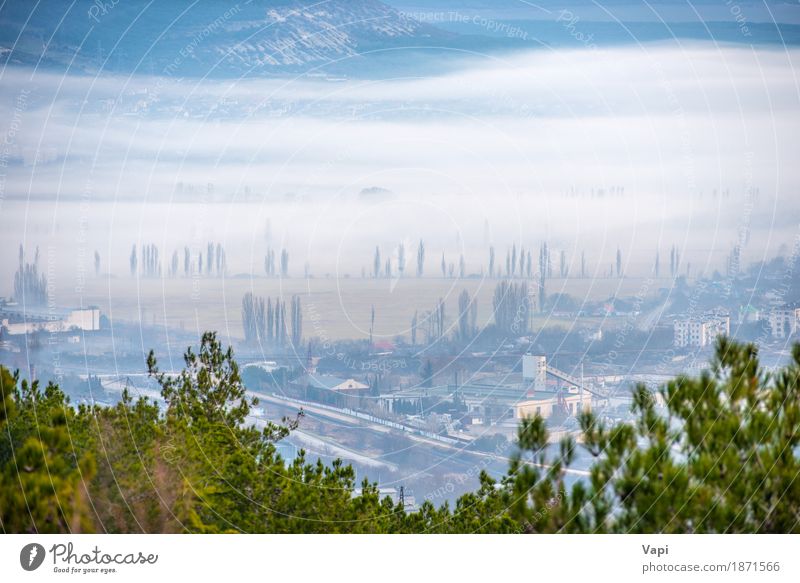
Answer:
x=265 y=320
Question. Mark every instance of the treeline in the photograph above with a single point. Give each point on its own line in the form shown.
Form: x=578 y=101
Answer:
x=722 y=458
x=145 y=261
x=467 y=317
x=513 y=308
x=392 y=263
x=266 y=321
x=433 y=323
x=522 y=263
x=270 y=266
x=30 y=286
x=513 y=305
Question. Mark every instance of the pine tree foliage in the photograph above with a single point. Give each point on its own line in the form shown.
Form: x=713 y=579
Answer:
x=718 y=455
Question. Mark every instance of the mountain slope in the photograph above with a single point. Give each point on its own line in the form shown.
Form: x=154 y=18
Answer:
x=210 y=37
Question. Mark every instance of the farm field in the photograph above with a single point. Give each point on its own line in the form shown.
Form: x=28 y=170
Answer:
x=332 y=309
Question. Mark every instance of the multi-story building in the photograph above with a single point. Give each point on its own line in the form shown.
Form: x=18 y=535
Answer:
x=545 y=404
x=785 y=321
x=85 y=319
x=534 y=368
x=701 y=331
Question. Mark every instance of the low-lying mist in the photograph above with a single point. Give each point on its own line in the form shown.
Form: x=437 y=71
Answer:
x=636 y=149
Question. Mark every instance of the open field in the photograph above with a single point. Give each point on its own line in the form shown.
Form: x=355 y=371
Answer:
x=332 y=309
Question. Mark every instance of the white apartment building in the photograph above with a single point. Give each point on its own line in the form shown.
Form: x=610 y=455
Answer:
x=784 y=321
x=701 y=331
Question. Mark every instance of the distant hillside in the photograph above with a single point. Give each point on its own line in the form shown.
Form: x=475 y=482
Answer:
x=262 y=38
x=213 y=37
x=670 y=11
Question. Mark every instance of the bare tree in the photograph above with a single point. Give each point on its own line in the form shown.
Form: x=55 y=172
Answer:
x=544 y=261
x=401 y=259
x=371 y=327
x=467 y=315
x=583 y=264
x=513 y=260
x=133 y=260
x=269 y=262
x=512 y=310
x=30 y=287
x=440 y=318
x=420 y=258
x=270 y=321
x=674 y=261
x=297 y=322
x=253 y=318
x=284 y=263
